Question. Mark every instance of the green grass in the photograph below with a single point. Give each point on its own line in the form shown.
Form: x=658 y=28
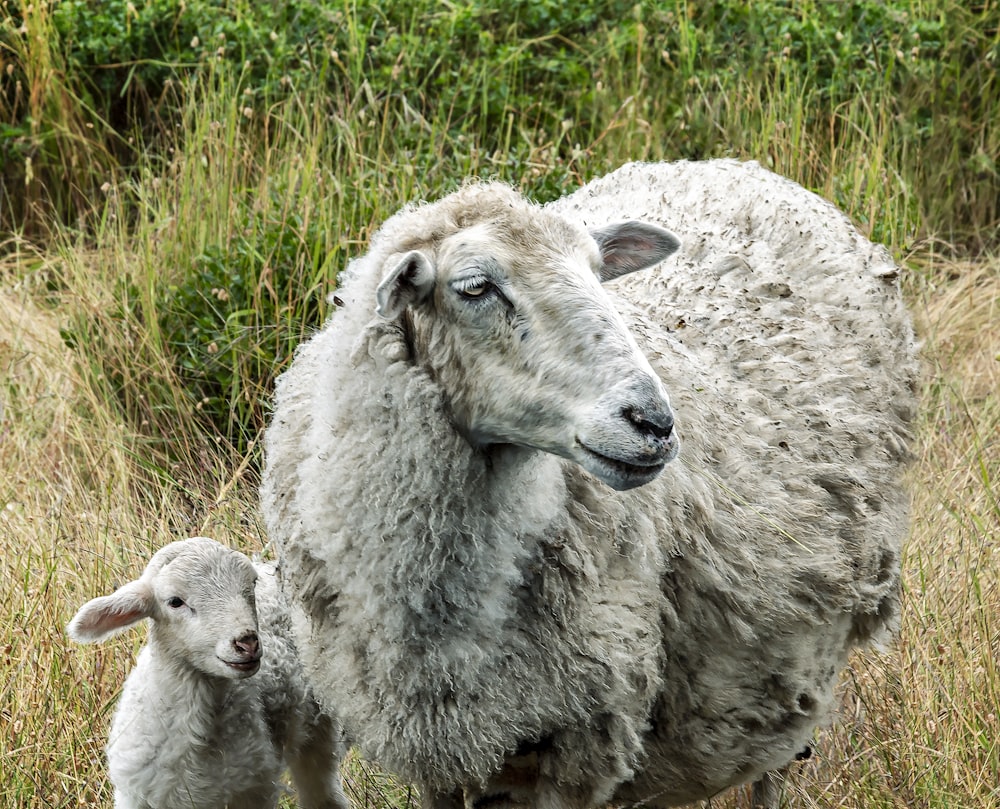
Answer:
x=165 y=245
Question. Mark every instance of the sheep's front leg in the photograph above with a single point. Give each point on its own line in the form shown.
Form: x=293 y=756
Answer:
x=766 y=790
x=441 y=800
x=520 y=784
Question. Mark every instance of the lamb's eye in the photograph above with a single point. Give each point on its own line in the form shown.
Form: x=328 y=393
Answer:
x=175 y=602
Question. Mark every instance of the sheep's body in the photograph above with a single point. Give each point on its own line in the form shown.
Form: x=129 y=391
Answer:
x=193 y=731
x=493 y=619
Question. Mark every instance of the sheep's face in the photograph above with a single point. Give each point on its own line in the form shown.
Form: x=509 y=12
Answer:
x=205 y=613
x=528 y=346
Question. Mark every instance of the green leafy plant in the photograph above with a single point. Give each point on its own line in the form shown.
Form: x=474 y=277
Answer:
x=231 y=325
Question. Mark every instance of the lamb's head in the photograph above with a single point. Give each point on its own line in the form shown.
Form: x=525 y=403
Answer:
x=200 y=597
x=505 y=308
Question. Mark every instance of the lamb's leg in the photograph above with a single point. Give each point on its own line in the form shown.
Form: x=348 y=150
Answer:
x=315 y=768
x=766 y=790
x=318 y=783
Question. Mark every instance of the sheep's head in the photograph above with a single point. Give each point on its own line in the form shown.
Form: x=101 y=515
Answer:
x=509 y=315
x=200 y=597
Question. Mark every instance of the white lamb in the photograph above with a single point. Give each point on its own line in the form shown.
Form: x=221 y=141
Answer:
x=518 y=587
x=216 y=702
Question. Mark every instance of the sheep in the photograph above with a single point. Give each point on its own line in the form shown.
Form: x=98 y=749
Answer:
x=216 y=701
x=527 y=577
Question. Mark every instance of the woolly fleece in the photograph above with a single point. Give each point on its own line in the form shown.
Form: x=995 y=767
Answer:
x=497 y=619
x=183 y=737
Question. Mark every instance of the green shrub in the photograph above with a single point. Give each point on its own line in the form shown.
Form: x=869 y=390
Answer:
x=128 y=53
x=556 y=80
x=891 y=110
x=232 y=323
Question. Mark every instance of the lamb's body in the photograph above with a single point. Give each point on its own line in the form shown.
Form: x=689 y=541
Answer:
x=193 y=730
x=490 y=617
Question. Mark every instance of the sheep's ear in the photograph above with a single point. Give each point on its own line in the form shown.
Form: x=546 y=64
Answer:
x=630 y=246
x=409 y=282
x=102 y=617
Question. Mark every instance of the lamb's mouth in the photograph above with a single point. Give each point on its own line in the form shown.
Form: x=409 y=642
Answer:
x=619 y=474
x=245 y=666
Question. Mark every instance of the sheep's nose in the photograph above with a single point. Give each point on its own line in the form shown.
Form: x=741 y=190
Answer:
x=654 y=422
x=247 y=646
x=646 y=408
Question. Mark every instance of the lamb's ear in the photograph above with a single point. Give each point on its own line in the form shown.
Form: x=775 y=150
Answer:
x=102 y=617
x=409 y=282
x=630 y=246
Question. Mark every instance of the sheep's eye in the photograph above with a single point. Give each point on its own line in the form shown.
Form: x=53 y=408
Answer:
x=175 y=602
x=474 y=292
x=473 y=288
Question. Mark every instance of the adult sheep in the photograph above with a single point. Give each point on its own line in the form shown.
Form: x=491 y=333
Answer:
x=508 y=594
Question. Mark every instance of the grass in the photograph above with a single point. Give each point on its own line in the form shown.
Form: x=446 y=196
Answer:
x=83 y=507
x=134 y=377
x=921 y=723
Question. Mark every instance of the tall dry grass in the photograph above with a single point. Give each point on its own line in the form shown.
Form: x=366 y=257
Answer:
x=84 y=505
x=82 y=510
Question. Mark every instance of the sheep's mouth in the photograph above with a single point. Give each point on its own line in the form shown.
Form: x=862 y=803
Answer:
x=619 y=474
x=244 y=666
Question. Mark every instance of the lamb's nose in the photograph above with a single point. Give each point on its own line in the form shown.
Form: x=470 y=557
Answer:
x=247 y=646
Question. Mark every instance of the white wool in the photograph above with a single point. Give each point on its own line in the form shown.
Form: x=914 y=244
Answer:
x=197 y=724
x=486 y=612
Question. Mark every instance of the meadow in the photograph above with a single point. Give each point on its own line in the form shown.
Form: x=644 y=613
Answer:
x=180 y=185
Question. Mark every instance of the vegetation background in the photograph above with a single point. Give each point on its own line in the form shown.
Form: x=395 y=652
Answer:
x=180 y=184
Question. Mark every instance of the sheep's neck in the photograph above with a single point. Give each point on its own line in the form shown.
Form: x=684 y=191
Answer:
x=471 y=543
x=437 y=529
